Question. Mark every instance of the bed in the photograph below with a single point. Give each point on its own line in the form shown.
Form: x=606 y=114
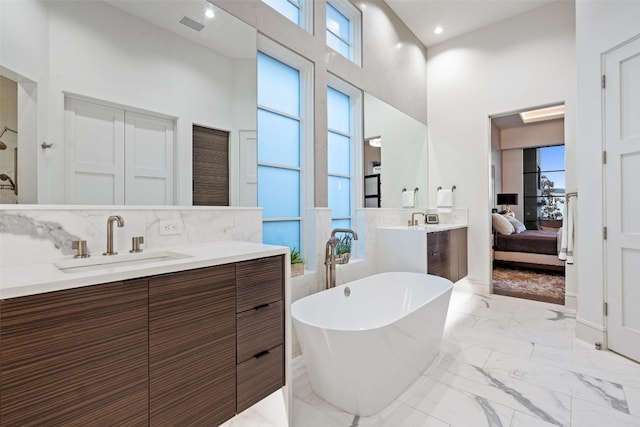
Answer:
x=527 y=248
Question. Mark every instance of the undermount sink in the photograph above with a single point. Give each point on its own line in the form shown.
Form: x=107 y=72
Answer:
x=101 y=262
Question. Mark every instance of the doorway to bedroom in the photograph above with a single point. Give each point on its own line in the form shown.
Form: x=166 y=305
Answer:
x=528 y=190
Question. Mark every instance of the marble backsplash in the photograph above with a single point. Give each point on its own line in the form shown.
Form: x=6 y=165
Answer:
x=31 y=234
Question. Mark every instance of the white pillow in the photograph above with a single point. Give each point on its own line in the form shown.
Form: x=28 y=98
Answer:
x=517 y=225
x=501 y=224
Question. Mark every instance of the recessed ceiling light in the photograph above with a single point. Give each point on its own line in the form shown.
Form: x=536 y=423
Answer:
x=438 y=29
x=209 y=13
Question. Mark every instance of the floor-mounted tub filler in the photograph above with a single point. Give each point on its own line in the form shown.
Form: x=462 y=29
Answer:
x=366 y=341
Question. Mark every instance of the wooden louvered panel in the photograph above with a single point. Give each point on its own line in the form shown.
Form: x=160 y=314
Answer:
x=210 y=167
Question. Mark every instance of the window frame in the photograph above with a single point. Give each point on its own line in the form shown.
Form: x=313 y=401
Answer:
x=306 y=74
x=354 y=15
x=305 y=13
x=357 y=149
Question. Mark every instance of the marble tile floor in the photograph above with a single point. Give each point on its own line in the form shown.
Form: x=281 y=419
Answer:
x=503 y=362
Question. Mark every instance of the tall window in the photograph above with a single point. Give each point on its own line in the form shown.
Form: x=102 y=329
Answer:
x=296 y=11
x=343 y=29
x=543 y=184
x=339 y=155
x=279 y=160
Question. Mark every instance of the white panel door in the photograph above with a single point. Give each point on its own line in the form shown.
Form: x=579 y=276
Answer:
x=622 y=174
x=248 y=169
x=149 y=164
x=94 y=141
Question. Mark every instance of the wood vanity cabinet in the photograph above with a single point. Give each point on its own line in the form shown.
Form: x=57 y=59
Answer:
x=75 y=356
x=187 y=348
x=447 y=253
x=192 y=347
x=260 y=329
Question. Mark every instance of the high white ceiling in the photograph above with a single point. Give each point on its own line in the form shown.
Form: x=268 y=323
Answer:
x=457 y=17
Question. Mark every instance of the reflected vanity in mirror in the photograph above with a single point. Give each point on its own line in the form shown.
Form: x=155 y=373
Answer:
x=395 y=154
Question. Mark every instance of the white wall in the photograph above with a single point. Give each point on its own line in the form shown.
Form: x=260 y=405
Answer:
x=600 y=26
x=98 y=51
x=526 y=61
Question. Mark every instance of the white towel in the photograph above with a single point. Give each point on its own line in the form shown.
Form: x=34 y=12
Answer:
x=568 y=230
x=408 y=199
x=445 y=200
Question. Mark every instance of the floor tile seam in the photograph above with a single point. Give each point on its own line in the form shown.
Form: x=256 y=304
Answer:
x=543 y=388
x=463 y=391
x=608 y=408
x=614 y=377
x=332 y=413
x=424 y=412
x=510 y=399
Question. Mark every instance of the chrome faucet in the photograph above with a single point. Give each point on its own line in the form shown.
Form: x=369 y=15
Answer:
x=413 y=218
x=330 y=258
x=110 y=221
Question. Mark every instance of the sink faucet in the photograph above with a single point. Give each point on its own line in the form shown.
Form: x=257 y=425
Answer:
x=330 y=258
x=110 y=221
x=413 y=218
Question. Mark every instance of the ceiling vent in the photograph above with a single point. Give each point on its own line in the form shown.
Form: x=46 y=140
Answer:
x=191 y=23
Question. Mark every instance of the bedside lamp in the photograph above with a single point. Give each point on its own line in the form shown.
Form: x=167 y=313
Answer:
x=508 y=199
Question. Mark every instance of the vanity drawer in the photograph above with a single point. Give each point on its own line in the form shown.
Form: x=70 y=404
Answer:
x=259 y=282
x=258 y=377
x=259 y=329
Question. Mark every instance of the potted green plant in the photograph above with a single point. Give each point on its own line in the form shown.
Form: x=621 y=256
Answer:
x=297 y=263
x=343 y=249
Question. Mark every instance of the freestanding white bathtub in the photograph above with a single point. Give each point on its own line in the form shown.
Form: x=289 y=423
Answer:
x=363 y=350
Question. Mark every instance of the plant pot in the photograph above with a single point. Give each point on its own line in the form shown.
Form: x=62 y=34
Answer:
x=344 y=258
x=297 y=269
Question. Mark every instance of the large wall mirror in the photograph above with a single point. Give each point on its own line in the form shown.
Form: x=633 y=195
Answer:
x=396 y=150
x=157 y=73
x=121 y=74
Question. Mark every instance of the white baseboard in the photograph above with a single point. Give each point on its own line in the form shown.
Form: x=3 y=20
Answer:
x=591 y=332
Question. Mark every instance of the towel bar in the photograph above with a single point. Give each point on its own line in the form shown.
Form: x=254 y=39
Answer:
x=452 y=188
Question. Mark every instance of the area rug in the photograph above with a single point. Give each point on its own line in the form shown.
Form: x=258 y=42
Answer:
x=529 y=284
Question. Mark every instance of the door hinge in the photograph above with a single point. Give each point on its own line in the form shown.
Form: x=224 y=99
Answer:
x=605 y=308
x=604 y=233
x=603 y=81
x=604 y=157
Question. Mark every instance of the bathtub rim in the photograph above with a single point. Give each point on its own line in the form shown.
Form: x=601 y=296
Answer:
x=449 y=288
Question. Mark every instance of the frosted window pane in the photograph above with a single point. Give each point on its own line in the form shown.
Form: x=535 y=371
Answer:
x=290 y=11
x=338 y=152
x=283 y=233
x=338 y=23
x=338 y=111
x=278 y=85
x=339 y=196
x=278 y=139
x=338 y=45
x=341 y=223
x=278 y=192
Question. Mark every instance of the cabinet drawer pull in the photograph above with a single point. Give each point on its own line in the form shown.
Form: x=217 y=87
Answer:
x=261 y=306
x=434 y=254
x=261 y=354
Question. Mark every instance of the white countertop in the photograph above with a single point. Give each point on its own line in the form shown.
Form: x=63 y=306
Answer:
x=40 y=278
x=429 y=228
